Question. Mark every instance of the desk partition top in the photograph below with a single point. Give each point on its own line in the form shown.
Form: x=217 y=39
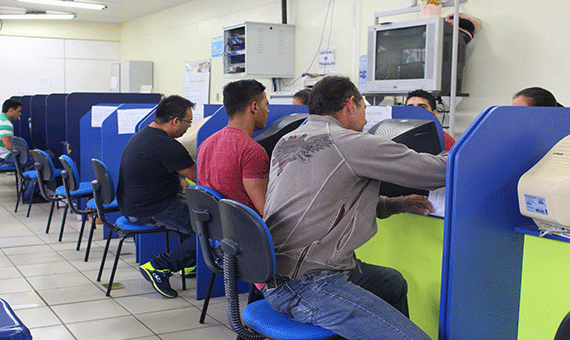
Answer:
x=78 y=104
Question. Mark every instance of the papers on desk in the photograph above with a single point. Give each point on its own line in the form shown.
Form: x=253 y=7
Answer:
x=437 y=200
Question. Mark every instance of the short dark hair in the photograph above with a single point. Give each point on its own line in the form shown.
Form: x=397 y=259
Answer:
x=10 y=104
x=239 y=94
x=329 y=95
x=538 y=96
x=423 y=94
x=303 y=96
x=172 y=107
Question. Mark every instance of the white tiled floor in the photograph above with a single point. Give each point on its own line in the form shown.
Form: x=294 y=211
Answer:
x=55 y=294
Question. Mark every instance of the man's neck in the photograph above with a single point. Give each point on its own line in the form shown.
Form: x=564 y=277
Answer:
x=162 y=127
x=243 y=124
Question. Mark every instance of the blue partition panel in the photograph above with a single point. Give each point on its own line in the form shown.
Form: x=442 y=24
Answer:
x=482 y=251
x=90 y=142
x=55 y=123
x=38 y=117
x=77 y=104
x=24 y=123
x=16 y=123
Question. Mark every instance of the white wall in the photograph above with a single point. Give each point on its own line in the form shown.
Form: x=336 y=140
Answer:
x=46 y=65
x=523 y=43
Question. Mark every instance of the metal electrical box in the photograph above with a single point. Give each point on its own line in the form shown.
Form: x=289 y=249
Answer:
x=259 y=50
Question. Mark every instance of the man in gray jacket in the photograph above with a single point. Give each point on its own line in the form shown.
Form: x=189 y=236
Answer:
x=321 y=205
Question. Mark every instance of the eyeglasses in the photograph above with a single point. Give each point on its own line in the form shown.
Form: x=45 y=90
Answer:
x=189 y=121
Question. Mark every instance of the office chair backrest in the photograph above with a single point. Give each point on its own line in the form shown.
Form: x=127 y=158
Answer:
x=44 y=165
x=71 y=174
x=205 y=216
x=107 y=189
x=247 y=236
x=21 y=152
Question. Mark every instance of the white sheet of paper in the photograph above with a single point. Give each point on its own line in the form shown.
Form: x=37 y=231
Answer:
x=376 y=114
x=128 y=119
x=99 y=113
x=437 y=200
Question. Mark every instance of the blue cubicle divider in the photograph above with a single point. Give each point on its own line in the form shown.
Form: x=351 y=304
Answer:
x=482 y=252
x=24 y=124
x=16 y=123
x=77 y=104
x=90 y=142
x=55 y=123
x=38 y=121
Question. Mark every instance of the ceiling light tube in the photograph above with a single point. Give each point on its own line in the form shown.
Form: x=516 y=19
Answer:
x=40 y=15
x=67 y=3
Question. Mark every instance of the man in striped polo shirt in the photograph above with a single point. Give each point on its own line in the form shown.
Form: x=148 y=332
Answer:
x=11 y=110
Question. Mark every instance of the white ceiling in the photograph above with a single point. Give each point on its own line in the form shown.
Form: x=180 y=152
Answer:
x=117 y=11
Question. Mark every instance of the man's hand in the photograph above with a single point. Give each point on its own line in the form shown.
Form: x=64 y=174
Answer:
x=417 y=204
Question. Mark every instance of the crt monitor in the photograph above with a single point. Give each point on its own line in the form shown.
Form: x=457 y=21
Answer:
x=282 y=126
x=410 y=55
x=417 y=134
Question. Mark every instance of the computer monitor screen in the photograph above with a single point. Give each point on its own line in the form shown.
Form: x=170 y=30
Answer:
x=279 y=128
x=401 y=53
x=417 y=134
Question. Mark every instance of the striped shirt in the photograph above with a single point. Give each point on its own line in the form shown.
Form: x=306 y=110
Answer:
x=6 y=130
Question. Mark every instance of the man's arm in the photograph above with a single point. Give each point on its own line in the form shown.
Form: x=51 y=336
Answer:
x=388 y=206
x=256 y=189
x=7 y=141
x=189 y=173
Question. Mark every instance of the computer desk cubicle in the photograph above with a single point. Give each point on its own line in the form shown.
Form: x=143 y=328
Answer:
x=38 y=121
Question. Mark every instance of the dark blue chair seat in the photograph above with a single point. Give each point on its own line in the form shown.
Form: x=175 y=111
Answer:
x=91 y=204
x=10 y=326
x=85 y=188
x=126 y=226
x=265 y=320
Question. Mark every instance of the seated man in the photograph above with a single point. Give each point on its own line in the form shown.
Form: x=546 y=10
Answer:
x=11 y=111
x=424 y=99
x=301 y=97
x=230 y=161
x=148 y=187
x=322 y=203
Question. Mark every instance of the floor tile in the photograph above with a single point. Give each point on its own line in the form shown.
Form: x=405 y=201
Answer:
x=38 y=317
x=173 y=320
x=50 y=268
x=35 y=258
x=22 y=300
x=54 y=332
x=58 y=281
x=71 y=294
x=213 y=332
x=14 y=285
x=90 y=310
x=125 y=327
x=20 y=241
x=150 y=303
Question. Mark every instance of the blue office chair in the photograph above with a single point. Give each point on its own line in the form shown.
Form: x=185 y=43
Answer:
x=10 y=325
x=205 y=217
x=46 y=173
x=249 y=256
x=73 y=190
x=104 y=194
x=21 y=152
x=92 y=208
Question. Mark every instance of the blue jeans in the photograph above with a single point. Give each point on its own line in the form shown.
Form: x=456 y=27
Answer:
x=177 y=218
x=336 y=301
x=10 y=162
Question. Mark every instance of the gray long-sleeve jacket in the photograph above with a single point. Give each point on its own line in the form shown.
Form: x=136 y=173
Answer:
x=322 y=198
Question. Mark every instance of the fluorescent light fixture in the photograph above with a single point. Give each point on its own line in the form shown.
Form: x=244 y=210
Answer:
x=38 y=15
x=67 y=3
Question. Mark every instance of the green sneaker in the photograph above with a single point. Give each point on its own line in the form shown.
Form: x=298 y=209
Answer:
x=159 y=279
x=189 y=272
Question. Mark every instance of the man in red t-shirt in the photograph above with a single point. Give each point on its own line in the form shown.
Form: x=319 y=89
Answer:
x=230 y=161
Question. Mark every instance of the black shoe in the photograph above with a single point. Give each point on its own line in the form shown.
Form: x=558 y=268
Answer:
x=159 y=279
